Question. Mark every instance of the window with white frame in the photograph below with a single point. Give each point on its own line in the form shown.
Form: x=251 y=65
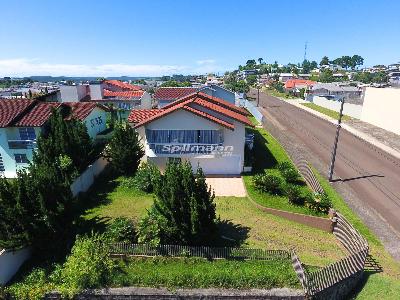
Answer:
x=21 y=158
x=27 y=133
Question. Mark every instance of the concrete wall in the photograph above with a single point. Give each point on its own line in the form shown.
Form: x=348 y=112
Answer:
x=252 y=108
x=10 y=262
x=96 y=91
x=73 y=93
x=382 y=108
x=352 y=110
x=146 y=101
x=86 y=179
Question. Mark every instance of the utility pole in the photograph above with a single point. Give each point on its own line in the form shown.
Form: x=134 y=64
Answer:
x=258 y=95
x=336 y=141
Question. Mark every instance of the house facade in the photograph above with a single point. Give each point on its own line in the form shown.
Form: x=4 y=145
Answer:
x=22 y=121
x=204 y=130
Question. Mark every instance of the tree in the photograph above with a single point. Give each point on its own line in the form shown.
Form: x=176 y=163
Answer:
x=251 y=79
x=313 y=65
x=260 y=60
x=356 y=60
x=324 y=61
x=124 y=150
x=251 y=63
x=306 y=65
x=183 y=212
x=326 y=76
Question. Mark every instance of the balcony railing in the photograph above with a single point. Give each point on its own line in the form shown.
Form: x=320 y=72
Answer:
x=178 y=148
x=21 y=144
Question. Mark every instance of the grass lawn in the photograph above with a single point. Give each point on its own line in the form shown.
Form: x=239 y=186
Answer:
x=330 y=113
x=381 y=285
x=200 y=273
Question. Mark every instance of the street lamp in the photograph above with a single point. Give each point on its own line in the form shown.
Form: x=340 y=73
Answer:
x=336 y=141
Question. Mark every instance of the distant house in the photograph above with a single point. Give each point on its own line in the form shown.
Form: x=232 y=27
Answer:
x=22 y=121
x=204 y=130
x=283 y=77
x=120 y=94
x=166 y=95
x=333 y=91
x=297 y=84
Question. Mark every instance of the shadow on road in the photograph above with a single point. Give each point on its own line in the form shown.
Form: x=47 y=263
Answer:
x=356 y=178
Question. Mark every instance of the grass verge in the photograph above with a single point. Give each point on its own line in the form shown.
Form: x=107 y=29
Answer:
x=328 y=112
x=200 y=273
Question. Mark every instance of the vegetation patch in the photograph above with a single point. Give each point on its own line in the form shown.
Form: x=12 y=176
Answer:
x=326 y=111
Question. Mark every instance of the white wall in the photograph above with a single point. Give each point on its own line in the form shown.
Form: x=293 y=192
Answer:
x=96 y=122
x=96 y=91
x=352 y=110
x=382 y=108
x=146 y=101
x=10 y=262
x=86 y=179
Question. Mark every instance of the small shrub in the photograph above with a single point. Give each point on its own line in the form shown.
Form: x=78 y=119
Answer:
x=146 y=177
x=88 y=266
x=294 y=194
x=269 y=183
x=289 y=172
x=122 y=230
x=319 y=202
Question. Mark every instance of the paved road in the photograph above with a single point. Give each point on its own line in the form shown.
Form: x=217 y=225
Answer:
x=364 y=174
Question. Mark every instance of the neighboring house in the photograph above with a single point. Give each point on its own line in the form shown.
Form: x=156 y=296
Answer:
x=283 y=77
x=205 y=130
x=166 y=95
x=22 y=121
x=333 y=91
x=297 y=84
x=120 y=94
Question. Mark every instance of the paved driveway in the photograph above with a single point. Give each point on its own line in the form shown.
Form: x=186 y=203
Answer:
x=227 y=186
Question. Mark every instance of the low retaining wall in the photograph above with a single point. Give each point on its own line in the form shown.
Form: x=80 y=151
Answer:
x=352 y=110
x=324 y=224
x=86 y=179
x=10 y=262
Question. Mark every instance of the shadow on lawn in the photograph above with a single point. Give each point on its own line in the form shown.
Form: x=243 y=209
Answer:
x=231 y=235
x=263 y=158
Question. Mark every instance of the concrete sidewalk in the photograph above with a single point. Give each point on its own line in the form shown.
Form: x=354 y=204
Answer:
x=388 y=147
x=227 y=186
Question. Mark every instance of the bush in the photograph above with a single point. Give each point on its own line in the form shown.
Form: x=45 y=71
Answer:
x=319 y=202
x=269 y=183
x=294 y=194
x=289 y=172
x=145 y=177
x=122 y=230
x=88 y=266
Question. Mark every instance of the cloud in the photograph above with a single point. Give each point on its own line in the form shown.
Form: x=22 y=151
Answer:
x=206 y=62
x=27 y=67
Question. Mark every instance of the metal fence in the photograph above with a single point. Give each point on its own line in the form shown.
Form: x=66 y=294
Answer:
x=127 y=249
x=348 y=267
x=308 y=175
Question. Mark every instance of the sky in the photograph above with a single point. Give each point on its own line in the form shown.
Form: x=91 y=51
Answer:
x=153 y=38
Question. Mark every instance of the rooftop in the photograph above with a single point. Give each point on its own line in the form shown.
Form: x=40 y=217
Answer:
x=200 y=104
x=173 y=93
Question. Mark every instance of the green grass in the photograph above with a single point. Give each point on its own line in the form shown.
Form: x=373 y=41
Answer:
x=200 y=273
x=111 y=200
x=253 y=228
x=328 y=112
x=267 y=154
x=384 y=285
x=273 y=92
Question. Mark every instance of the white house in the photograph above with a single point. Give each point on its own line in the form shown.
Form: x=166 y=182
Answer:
x=202 y=129
x=22 y=121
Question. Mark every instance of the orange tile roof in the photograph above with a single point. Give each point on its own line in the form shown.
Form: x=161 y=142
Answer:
x=142 y=114
x=12 y=109
x=291 y=83
x=173 y=93
x=124 y=94
x=217 y=105
x=123 y=85
x=38 y=115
